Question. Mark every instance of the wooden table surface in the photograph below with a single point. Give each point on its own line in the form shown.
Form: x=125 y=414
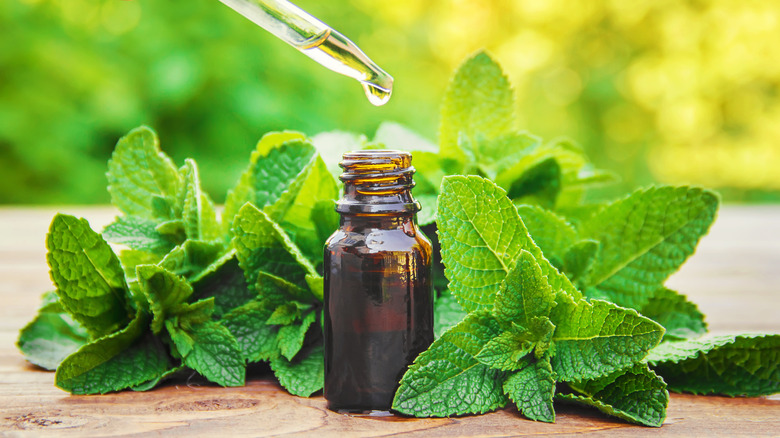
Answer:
x=734 y=278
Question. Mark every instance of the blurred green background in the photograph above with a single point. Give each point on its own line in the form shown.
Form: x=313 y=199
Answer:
x=667 y=91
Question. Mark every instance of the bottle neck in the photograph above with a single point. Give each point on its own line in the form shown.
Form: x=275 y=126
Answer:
x=377 y=182
x=390 y=221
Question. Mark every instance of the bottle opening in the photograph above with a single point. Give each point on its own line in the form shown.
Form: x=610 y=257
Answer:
x=377 y=181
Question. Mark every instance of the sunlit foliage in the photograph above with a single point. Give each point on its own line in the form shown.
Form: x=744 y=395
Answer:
x=674 y=91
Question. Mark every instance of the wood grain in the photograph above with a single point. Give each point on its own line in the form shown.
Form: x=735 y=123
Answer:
x=734 y=278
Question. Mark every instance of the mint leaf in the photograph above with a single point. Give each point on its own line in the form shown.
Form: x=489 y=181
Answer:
x=579 y=258
x=302 y=223
x=430 y=170
x=577 y=172
x=325 y=219
x=198 y=215
x=139 y=234
x=138 y=172
x=51 y=336
x=91 y=371
x=733 y=365
x=211 y=350
x=247 y=324
x=302 y=376
x=532 y=389
x=164 y=291
x=481 y=236
x=90 y=281
x=680 y=317
x=447 y=379
x=262 y=246
x=150 y=384
x=274 y=177
x=596 y=338
x=290 y=339
x=492 y=157
x=446 y=313
x=226 y=284
x=506 y=352
x=192 y=258
x=644 y=238
x=635 y=394
x=114 y=362
x=479 y=104
x=244 y=191
x=539 y=184
x=524 y=294
x=551 y=233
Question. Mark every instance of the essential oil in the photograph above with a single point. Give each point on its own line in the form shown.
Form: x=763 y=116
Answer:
x=378 y=293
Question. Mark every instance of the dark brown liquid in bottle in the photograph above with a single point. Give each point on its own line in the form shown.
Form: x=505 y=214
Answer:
x=378 y=296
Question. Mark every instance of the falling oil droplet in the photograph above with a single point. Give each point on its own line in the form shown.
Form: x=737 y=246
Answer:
x=376 y=95
x=335 y=52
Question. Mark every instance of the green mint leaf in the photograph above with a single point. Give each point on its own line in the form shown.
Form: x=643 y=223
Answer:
x=211 y=350
x=495 y=156
x=226 y=284
x=479 y=103
x=447 y=379
x=284 y=314
x=396 y=136
x=188 y=315
x=577 y=172
x=506 y=352
x=596 y=338
x=138 y=233
x=430 y=170
x=198 y=215
x=291 y=337
x=164 y=291
x=247 y=324
x=273 y=180
x=302 y=376
x=734 y=365
x=644 y=238
x=303 y=222
x=51 y=336
x=532 y=389
x=114 y=362
x=90 y=281
x=551 y=233
x=524 y=294
x=481 y=236
x=150 y=384
x=139 y=171
x=325 y=219
x=680 y=317
x=192 y=258
x=635 y=394
x=446 y=313
x=244 y=191
x=263 y=246
x=538 y=184
x=579 y=258
x=334 y=144
x=93 y=370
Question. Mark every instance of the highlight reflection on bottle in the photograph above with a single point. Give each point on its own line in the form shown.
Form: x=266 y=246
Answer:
x=378 y=293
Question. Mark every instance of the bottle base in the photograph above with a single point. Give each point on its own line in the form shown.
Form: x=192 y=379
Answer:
x=363 y=412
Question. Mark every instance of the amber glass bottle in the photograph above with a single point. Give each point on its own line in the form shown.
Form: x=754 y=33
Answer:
x=378 y=295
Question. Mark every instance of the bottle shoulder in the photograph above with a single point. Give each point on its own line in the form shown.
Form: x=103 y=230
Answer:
x=379 y=240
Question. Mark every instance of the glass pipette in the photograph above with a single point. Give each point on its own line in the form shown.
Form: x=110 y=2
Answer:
x=319 y=42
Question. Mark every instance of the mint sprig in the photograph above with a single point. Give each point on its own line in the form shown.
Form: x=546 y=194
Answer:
x=546 y=298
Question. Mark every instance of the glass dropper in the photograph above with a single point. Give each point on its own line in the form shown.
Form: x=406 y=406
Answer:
x=319 y=42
